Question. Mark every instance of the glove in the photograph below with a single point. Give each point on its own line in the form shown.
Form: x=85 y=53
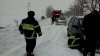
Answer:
x=21 y=32
x=40 y=34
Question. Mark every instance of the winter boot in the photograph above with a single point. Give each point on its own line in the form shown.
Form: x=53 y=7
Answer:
x=30 y=54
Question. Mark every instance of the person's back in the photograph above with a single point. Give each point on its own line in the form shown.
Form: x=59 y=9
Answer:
x=29 y=22
x=91 y=23
x=91 y=28
x=30 y=28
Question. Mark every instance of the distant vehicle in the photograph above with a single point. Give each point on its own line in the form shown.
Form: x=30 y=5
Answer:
x=74 y=31
x=58 y=17
x=56 y=13
x=61 y=20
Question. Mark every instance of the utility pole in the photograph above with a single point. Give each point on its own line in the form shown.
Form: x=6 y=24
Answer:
x=28 y=6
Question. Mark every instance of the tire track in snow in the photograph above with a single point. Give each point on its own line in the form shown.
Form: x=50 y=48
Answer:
x=43 y=47
x=14 y=50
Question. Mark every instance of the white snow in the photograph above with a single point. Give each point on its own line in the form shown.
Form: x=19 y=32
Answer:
x=53 y=42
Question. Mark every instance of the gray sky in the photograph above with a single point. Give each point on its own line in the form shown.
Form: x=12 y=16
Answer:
x=18 y=8
x=40 y=6
x=57 y=4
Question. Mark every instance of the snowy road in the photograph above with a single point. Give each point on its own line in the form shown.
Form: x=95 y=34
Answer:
x=53 y=42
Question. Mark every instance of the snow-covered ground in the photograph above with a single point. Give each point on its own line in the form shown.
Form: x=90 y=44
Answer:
x=53 y=42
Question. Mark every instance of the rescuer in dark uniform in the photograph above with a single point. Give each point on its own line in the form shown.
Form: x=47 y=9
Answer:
x=91 y=30
x=30 y=28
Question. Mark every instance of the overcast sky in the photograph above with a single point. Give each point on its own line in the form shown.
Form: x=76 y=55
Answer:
x=40 y=6
x=16 y=9
x=57 y=4
x=20 y=6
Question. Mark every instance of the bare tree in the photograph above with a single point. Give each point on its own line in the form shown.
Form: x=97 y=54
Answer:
x=78 y=7
x=93 y=4
x=68 y=13
x=99 y=4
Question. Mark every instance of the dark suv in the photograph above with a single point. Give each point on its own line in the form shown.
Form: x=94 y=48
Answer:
x=74 y=31
x=74 y=25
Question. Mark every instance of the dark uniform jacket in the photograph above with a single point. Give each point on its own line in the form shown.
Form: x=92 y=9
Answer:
x=30 y=28
x=91 y=25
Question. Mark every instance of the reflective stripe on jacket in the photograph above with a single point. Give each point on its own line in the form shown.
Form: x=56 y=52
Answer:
x=30 y=28
x=73 y=41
